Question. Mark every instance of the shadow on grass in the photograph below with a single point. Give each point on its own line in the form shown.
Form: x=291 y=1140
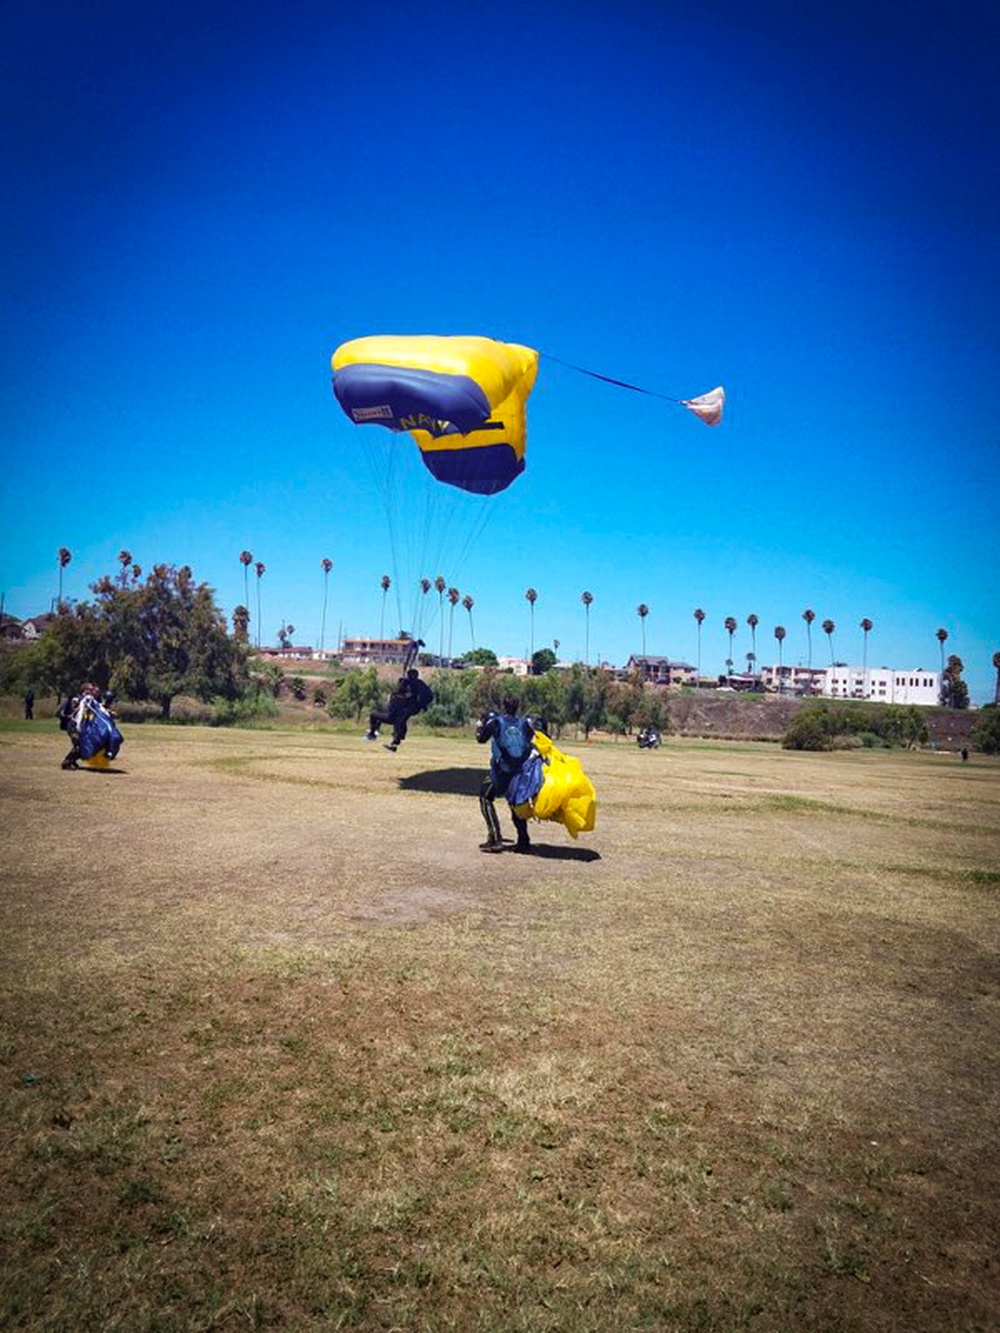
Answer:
x=446 y=781
x=547 y=852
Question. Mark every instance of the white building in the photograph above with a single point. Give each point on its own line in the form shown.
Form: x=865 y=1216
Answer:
x=793 y=679
x=885 y=685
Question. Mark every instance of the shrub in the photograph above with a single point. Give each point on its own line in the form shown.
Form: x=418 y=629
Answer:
x=844 y=726
x=986 y=732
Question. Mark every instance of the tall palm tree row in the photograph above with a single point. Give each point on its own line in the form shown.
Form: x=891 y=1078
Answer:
x=779 y=634
x=453 y=599
x=64 y=556
x=440 y=585
x=730 y=623
x=326 y=565
x=828 y=628
x=587 y=599
x=532 y=597
x=385 y=583
x=259 y=569
x=866 y=628
x=699 y=616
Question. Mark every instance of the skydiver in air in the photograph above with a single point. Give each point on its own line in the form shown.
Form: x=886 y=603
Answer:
x=511 y=738
x=395 y=714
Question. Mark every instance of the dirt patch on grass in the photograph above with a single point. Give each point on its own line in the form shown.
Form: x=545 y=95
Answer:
x=281 y=1048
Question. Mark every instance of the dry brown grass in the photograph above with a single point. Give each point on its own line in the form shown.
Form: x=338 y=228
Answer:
x=281 y=1048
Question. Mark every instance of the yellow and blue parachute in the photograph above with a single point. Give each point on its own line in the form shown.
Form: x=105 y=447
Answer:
x=565 y=793
x=463 y=399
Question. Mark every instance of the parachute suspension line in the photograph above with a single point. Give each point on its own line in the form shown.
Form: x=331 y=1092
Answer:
x=607 y=379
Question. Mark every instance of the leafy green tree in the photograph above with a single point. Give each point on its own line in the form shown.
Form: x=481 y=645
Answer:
x=356 y=693
x=480 y=657
x=541 y=661
x=954 y=691
x=150 y=641
x=986 y=732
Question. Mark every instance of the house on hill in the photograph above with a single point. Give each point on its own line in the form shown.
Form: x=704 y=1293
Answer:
x=661 y=670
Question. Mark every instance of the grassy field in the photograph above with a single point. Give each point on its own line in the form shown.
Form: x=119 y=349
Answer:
x=280 y=1048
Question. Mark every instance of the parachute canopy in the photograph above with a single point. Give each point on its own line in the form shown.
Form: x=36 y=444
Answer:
x=463 y=399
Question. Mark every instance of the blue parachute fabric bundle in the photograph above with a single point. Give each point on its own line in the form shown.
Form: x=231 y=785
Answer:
x=525 y=785
x=98 y=732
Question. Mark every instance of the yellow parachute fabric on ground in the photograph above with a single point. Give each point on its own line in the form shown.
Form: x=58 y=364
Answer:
x=567 y=794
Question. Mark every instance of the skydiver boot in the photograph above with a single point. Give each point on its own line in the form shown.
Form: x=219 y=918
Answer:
x=494 y=839
x=523 y=843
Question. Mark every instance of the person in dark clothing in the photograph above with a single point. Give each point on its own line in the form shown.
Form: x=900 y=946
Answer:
x=29 y=706
x=396 y=714
x=511 y=747
x=71 y=716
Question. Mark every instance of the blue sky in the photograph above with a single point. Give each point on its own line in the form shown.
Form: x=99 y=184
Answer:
x=798 y=202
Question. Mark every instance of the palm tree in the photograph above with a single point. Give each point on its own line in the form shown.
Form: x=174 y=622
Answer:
x=532 y=598
x=586 y=598
x=996 y=688
x=753 y=621
x=259 y=569
x=866 y=629
x=440 y=585
x=642 y=611
x=64 y=556
x=468 y=603
x=809 y=616
x=246 y=560
x=730 y=630
x=241 y=623
x=136 y=573
x=699 y=615
x=453 y=599
x=942 y=635
x=124 y=559
x=828 y=628
x=779 y=634
x=386 y=584
x=326 y=565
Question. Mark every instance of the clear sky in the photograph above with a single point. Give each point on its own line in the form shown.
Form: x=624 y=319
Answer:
x=797 y=201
